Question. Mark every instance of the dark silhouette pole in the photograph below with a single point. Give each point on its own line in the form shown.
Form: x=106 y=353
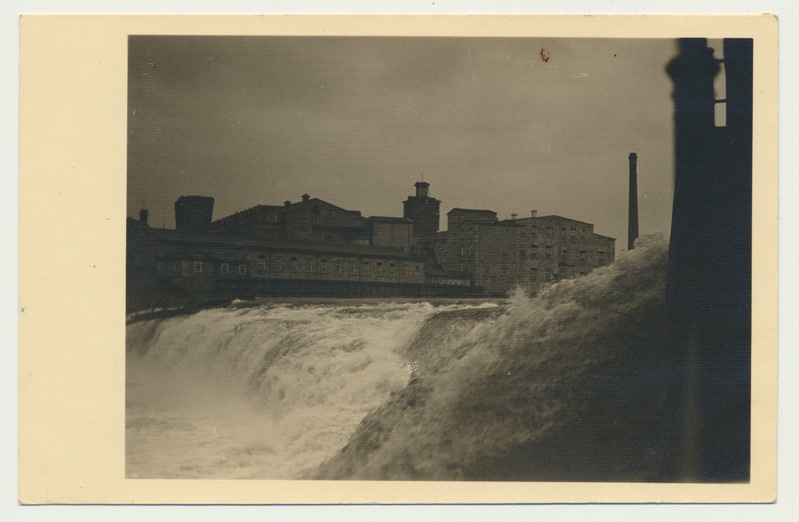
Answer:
x=708 y=288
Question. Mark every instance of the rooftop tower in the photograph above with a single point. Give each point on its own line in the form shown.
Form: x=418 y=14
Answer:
x=422 y=210
x=193 y=213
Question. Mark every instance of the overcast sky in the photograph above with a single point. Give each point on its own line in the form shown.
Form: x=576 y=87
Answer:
x=356 y=121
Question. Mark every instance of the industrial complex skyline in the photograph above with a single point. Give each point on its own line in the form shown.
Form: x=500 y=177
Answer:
x=513 y=125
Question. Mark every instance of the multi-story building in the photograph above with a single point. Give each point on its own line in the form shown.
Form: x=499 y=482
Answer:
x=527 y=252
x=312 y=247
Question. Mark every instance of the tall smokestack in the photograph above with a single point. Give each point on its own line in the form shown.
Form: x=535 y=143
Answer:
x=632 y=219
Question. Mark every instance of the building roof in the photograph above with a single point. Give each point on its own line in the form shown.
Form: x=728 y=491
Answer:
x=471 y=210
x=257 y=209
x=561 y=218
x=280 y=209
x=310 y=202
x=503 y=223
x=390 y=219
x=551 y=217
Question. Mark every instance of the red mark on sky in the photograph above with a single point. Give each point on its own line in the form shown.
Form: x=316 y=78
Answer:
x=544 y=55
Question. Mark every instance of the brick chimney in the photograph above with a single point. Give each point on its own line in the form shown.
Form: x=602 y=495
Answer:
x=632 y=218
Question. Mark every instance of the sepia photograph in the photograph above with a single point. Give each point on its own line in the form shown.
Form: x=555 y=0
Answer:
x=324 y=260
x=438 y=258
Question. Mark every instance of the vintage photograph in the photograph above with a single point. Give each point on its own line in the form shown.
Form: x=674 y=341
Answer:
x=438 y=258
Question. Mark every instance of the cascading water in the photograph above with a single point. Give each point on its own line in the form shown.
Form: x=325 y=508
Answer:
x=578 y=383
x=266 y=391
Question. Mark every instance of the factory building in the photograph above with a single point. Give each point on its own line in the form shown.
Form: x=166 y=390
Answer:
x=533 y=251
x=314 y=248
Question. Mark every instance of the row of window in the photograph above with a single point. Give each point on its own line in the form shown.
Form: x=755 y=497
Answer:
x=550 y=231
x=325 y=266
x=336 y=267
x=224 y=268
x=564 y=252
x=549 y=246
x=572 y=238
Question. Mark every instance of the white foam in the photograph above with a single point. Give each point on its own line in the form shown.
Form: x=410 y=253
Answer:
x=266 y=391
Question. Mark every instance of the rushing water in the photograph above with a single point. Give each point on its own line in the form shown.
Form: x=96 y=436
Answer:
x=578 y=383
x=266 y=391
